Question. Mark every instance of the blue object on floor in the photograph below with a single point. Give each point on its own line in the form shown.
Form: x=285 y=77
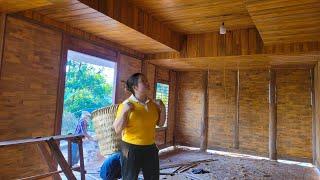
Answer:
x=199 y=171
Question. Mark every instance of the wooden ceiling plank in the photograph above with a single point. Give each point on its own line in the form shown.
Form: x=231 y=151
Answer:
x=283 y=21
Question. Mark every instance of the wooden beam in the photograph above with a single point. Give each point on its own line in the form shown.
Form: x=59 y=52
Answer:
x=127 y=13
x=237 y=120
x=48 y=159
x=59 y=157
x=272 y=116
x=204 y=120
x=30 y=141
x=69 y=152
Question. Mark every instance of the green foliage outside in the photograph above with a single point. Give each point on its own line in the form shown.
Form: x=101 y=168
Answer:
x=86 y=89
x=162 y=92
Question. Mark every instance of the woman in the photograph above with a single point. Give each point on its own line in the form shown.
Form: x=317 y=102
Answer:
x=136 y=119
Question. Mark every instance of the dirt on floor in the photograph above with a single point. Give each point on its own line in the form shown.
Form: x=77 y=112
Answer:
x=185 y=163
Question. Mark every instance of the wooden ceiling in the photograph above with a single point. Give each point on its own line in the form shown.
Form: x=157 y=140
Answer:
x=237 y=62
x=85 y=18
x=153 y=26
x=286 y=20
x=198 y=16
x=19 y=5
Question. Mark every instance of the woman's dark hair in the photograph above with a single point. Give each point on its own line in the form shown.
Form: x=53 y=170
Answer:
x=133 y=81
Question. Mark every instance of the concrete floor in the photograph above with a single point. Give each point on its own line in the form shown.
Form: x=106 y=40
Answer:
x=221 y=166
x=233 y=167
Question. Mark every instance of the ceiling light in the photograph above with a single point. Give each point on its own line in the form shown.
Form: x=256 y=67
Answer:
x=222 y=29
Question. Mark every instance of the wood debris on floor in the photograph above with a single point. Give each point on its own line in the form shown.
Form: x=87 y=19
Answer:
x=188 y=164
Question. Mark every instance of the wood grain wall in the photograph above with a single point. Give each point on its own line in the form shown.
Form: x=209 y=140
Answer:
x=189 y=110
x=294 y=111
x=126 y=67
x=254 y=111
x=294 y=125
x=28 y=86
x=149 y=70
x=222 y=108
x=236 y=42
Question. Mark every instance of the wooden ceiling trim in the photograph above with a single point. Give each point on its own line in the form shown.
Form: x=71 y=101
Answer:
x=237 y=62
x=137 y=19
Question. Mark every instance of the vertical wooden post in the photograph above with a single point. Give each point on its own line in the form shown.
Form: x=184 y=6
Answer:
x=2 y=37
x=176 y=106
x=272 y=116
x=82 y=171
x=314 y=155
x=204 y=120
x=236 y=123
x=316 y=120
x=69 y=152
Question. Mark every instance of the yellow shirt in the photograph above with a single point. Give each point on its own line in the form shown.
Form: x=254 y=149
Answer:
x=140 y=129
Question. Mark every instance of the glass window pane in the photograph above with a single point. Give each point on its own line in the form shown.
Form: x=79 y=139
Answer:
x=162 y=92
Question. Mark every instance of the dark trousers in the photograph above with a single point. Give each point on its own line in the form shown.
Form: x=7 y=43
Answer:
x=139 y=157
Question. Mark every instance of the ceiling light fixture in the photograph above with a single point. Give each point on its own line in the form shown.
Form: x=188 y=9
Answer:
x=223 y=29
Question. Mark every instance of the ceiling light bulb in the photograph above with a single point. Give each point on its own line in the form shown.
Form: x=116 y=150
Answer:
x=223 y=29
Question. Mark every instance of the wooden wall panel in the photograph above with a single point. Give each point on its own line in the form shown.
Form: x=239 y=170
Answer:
x=222 y=108
x=235 y=42
x=126 y=67
x=160 y=137
x=28 y=89
x=150 y=70
x=294 y=114
x=189 y=108
x=87 y=47
x=254 y=111
x=162 y=74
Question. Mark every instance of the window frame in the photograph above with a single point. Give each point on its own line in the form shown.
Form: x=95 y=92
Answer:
x=155 y=96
